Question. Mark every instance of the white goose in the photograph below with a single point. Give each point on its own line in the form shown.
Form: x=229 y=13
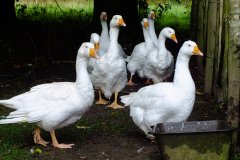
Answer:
x=55 y=105
x=110 y=74
x=94 y=39
x=151 y=19
x=159 y=64
x=165 y=102
x=137 y=58
x=104 y=37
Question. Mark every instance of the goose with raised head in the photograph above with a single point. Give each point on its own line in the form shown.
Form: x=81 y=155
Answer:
x=159 y=64
x=104 y=36
x=110 y=73
x=137 y=58
x=167 y=101
x=55 y=105
x=152 y=32
x=105 y=39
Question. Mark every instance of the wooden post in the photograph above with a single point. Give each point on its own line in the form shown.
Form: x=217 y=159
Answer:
x=218 y=49
x=194 y=18
x=211 y=46
x=200 y=34
x=223 y=83
x=234 y=66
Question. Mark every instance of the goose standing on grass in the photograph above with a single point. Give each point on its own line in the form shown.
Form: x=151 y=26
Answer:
x=165 y=102
x=159 y=64
x=152 y=32
x=110 y=74
x=55 y=105
x=137 y=58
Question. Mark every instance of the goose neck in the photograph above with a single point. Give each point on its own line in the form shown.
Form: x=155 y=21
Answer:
x=161 y=41
x=104 y=27
x=182 y=76
x=114 y=32
x=82 y=76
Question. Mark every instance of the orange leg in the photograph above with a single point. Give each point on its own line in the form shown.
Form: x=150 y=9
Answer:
x=38 y=139
x=101 y=100
x=114 y=105
x=56 y=144
x=130 y=82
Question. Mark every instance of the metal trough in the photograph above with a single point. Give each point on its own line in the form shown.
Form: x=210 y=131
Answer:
x=197 y=140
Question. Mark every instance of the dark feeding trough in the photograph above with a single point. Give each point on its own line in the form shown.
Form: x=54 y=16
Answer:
x=197 y=140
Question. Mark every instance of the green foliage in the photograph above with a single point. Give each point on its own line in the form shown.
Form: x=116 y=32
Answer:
x=173 y=13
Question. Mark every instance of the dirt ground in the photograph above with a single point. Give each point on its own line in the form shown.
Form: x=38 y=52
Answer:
x=102 y=133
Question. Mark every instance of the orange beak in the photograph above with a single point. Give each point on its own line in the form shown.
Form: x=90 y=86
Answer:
x=96 y=46
x=196 y=51
x=146 y=25
x=153 y=16
x=93 y=53
x=105 y=17
x=121 y=22
x=174 y=38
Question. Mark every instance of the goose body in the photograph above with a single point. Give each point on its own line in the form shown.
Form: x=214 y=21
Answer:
x=159 y=63
x=55 y=105
x=165 y=102
x=109 y=74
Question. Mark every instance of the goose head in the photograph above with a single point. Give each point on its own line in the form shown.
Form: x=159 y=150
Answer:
x=190 y=48
x=94 y=38
x=169 y=33
x=103 y=16
x=145 y=23
x=152 y=15
x=117 y=21
x=86 y=50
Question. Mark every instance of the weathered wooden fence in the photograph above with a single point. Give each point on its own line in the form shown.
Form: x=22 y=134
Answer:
x=216 y=27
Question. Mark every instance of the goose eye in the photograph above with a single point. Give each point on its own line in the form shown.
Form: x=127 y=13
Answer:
x=86 y=46
x=169 y=31
x=189 y=45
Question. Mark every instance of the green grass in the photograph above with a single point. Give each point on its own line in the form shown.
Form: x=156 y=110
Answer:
x=16 y=139
x=77 y=11
x=13 y=140
x=178 y=16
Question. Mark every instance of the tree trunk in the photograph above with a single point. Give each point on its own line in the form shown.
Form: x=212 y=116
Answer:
x=234 y=66
x=7 y=14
